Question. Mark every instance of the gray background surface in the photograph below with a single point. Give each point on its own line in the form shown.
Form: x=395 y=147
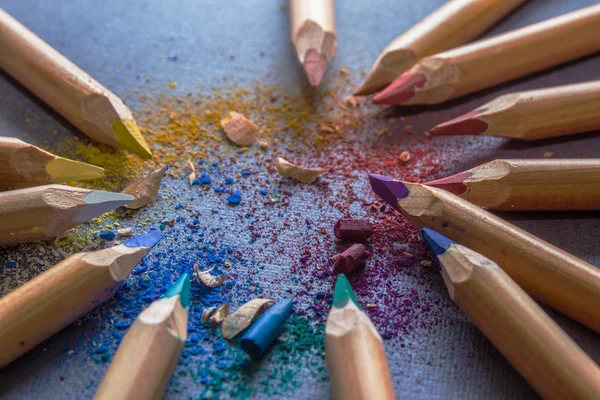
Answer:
x=120 y=42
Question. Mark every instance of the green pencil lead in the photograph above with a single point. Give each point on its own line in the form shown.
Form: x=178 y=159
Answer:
x=343 y=292
x=180 y=288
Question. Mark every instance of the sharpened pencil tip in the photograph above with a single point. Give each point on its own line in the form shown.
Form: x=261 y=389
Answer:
x=97 y=202
x=388 y=189
x=314 y=65
x=64 y=170
x=437 y=244
x=180 y=288
x=130 y=138
x=148 y=239
x=401 y=90
x=453 y=184
x=343 y=292
x=464 y=125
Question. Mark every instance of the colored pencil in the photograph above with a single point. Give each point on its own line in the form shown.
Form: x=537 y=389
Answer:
x=24 y=165
x=502 y=58
x=151 y=348
x=532 y=115
x=72 y=93
x=549 y=274
x=54 y=299
x=530 y=340
x=358 y=368
x=529 y=185
x=313 y=36
x=455 y=23
x=44 y=212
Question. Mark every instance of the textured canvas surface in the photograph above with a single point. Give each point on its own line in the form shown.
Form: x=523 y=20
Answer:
x=436 y=356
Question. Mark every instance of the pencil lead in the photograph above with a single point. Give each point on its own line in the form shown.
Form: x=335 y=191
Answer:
x=401 y=90
x=148 y=239
x=466 y=124
x=453 y=184
x=314 y=65
x=63 y=170
x=130 y=138
x=343 y=293
x=388 y=189
x=97 y=202
x=180 y=288
x=437 y=244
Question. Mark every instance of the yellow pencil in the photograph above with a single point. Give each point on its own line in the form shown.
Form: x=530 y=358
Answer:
x=151 y=348
x=75 y=95
x=530 y=340
x=44 y=212
x=48 y=303
x=24 y=165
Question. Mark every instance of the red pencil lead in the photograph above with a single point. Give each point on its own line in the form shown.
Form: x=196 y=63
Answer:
x=314 y=65
x=466 y=124
x=401 y=90
x=453 y=184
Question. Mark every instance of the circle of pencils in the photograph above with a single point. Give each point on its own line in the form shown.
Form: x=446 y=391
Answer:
x=356 y=359
x=531 y=341
x=151 y=348
x=454 y=23
x=532 y=185
x=483 y=64
x=43 y=306
x=551 y=275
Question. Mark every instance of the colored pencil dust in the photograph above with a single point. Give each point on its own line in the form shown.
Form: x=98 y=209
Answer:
x=454 y=23
x=483 y=64
x=151 y=348
x=356 y=359
x=532 y=115
x=75 y=95
x=25 y=165
x=313 y=36
x=44 y=212
x=549 y=274
x=48 y=303
x=531 y=341
x=532 y=185
x=266 y=329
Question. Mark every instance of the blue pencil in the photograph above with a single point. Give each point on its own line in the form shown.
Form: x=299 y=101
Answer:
x=258 y=338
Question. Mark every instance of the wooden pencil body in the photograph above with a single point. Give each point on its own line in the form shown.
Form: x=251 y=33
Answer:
x=533 y=343
x=489 y=62
x=39 y=213
x=554 y=184
x=544 y=113
x=356 y=357
x=551 y=275
x=22 y=162
x=317 y=17
x=61 y=84
x=51 y=301
x=146 y=358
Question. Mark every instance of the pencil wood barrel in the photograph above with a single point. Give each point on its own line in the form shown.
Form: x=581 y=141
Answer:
x=531 y=185
x=533 y=114
x=456 y=22
x=75 y=95
x=531 y=341
x=502 y=58
x=54 y=299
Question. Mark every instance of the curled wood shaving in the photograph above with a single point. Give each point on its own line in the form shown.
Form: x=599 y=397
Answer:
x=190 y=166
x=219 y=315
x=206 y=313
x=145 y=190
x=304 y=175
x=239 y=129
x=207 y=279
x=243 y=317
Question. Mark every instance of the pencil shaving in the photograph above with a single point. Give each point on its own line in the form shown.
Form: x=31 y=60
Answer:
x=207 y=313
x=190 y=166
x=243 y=317
x=219 y=315
x=239 y=129
x=207 y=279
x=304 y=175
x=145 y=190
